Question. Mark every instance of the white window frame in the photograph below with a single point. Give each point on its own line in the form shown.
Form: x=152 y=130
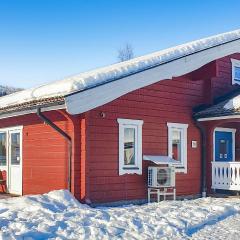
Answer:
x=137 y=125
x=180 y=167
x=7 y=130
x=235 y=63
x=6 y=168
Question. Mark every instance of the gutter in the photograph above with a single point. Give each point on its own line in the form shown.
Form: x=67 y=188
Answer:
x=203 y=159
x=66 y=136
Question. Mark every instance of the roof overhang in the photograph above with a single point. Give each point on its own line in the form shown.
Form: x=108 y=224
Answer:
x=32 y=110
x=97 y=96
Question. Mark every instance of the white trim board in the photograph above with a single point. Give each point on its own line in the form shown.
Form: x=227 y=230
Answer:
x=233 y=131
x=218 y=118
x=84 y=101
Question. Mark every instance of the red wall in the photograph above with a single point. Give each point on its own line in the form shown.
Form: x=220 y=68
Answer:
x=45 y=152
x=165 y=101
x=95 y=139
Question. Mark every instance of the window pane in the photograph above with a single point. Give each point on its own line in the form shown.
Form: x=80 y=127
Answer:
x=3 y=152
x=129 y=146
x=15 y=148
x=237 y=73
x=223 y=145
x=176 y=145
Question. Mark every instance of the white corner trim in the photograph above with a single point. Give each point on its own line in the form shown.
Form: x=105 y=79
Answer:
x=233 y=131
x=83 y=101
x=137 y=125
x=183 y=128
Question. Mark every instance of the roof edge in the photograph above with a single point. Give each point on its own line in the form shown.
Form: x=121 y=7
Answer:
x=105 y=93
x=151 y=67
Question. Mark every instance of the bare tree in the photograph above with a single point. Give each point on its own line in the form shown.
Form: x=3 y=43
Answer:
x=5 y=90
x=125 y=53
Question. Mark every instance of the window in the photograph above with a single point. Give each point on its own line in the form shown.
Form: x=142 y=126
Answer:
x=3 y=149
x=130 y=146
x=15 y=148
x=235 y=71
x=177 y=145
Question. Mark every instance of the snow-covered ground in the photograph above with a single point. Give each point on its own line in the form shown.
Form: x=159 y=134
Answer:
x=57 y=215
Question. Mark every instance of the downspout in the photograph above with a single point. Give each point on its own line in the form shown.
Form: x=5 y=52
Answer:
x=66 y=136
x=203 y=159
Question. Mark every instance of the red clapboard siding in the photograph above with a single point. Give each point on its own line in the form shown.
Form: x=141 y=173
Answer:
x=157 y=104
x=45 y=152
x=95 y=139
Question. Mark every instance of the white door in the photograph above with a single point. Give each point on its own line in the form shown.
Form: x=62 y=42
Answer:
x=15 y=162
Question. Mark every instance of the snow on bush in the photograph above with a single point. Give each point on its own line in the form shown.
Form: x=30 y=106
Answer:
x=58 y=215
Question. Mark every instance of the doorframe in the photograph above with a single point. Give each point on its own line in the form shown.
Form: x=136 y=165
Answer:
x=222 y=129
x=6 y=168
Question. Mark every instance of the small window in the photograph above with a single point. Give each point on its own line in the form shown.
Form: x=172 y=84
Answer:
x=3 y=149
x=223 y=147
x=235 y=71
x=177 y=145
x=130 y=146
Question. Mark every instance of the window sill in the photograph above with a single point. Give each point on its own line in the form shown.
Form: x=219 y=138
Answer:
x=180 y=169
x=130 y=168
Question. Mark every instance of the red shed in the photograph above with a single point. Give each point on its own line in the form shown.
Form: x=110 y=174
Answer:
x=91 y=132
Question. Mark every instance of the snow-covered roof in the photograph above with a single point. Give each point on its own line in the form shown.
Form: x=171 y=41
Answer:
x=233 y=104
x=228 y=107
x=88 y=80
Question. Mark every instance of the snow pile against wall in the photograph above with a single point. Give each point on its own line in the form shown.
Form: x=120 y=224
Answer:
x=57 y=215
x=102 y=75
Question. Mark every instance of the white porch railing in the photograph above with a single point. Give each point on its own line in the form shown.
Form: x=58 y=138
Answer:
x=226 y=175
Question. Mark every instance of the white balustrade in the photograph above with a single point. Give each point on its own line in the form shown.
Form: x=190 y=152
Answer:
x=226 y=175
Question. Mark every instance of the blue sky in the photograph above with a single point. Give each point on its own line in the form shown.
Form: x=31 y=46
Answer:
x=46 y=40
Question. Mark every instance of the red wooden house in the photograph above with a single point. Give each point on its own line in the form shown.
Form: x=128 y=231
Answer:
x=89 y=132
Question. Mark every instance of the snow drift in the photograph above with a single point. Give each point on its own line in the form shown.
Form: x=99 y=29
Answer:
x=58 y=215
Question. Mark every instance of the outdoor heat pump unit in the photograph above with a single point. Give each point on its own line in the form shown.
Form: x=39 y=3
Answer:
x=161 y=177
